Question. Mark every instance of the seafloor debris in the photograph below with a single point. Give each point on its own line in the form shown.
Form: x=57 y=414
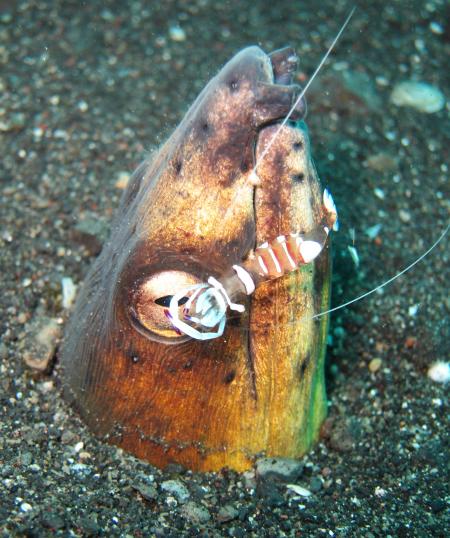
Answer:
x=298 y=490
x=419 y=95
x=69 y=291
x=39 y=344
x=439 y=372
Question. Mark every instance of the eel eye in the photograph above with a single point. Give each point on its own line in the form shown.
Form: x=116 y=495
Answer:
x=165 y=301
x=149 y=308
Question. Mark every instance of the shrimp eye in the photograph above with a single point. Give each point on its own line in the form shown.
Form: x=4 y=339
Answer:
x=150 y=302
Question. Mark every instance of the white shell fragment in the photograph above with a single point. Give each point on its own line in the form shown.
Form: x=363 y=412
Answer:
x=299 y=490
x=439 y=372
x=177 y=33
x=69 y=291
x=373 y=231
x=39 y=344
x=419 y=95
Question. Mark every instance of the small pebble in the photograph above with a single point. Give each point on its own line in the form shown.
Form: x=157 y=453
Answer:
x=69 y=291
x=3 y=351
x=354 y=255
x=52 y=521
x=381 y=162
x=379 y=193
x=340 y=437
x=249 y=479
x=315 y=484
x=89 y=526
x=418 y=95
x=282 y=469
x=67 y=437
x=39 y=344
x=439 y=372
x=26 y=458
x=147 y=491
x=268 y=490
x=6 y=18
x=405 y=216
x=177 y=33
x=195 y=513
x=80 y=469
x=380 y=492
x=82 y=106
x=410 y=342
x=90 y=232
x=227 y=513
x=15 y=122
x=176 y=488
x=326 y=472
x=46 y=386
x=436 y=28
x=437 y=505
x=122 y=180
x=375 y=365
x=373 y=231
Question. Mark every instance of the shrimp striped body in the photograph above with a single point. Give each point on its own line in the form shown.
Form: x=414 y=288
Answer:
x=204 y=312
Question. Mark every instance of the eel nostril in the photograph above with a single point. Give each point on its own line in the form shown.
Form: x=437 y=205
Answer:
x=298 y=178
x=234 y=85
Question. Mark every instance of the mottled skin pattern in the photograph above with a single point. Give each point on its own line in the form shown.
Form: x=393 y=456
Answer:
x=191 y=207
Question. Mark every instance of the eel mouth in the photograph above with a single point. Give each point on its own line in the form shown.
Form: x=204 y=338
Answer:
x=284 y=65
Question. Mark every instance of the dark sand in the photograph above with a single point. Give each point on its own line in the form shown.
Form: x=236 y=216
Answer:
x=85 y=92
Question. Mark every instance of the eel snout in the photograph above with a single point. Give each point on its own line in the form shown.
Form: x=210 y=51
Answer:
x=284 y=64
x=257 y=88
x=281 y=94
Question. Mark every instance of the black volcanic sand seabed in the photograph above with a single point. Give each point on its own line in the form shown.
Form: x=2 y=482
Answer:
x=86 y=91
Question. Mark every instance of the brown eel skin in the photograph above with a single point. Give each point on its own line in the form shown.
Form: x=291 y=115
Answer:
x=189 y=212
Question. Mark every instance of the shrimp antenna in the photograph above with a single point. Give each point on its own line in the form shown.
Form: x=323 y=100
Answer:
x=382 y=285
x=305 y=89
x=402 y=272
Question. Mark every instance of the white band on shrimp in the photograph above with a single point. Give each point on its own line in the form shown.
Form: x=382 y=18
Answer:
x=211 y=302
x=218 y=286
x=246 y=279
x=185 y=327
x=330 y=206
